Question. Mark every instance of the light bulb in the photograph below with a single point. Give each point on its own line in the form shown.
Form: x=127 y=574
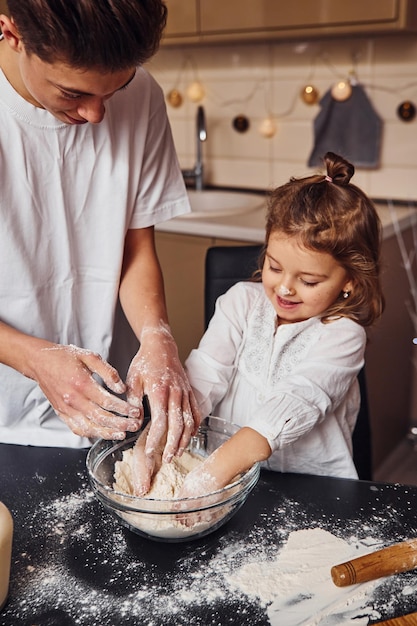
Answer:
x=309 y=94
x=406 y=111
x=241 y=123
x=174 y=98
x=342 y=90
x=267 y=127
x=195 y=91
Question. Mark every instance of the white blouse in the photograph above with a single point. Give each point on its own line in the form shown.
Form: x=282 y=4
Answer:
x=296 y=384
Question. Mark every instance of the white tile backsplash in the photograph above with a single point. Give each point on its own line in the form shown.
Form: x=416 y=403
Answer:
x=259 y=80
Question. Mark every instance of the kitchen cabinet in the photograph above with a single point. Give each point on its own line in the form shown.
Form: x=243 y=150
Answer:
x=211 y=21
x=182 y=18
x=182 y=260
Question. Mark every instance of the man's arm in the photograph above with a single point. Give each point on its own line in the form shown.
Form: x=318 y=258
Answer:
x=156 y=370
x=65 y=375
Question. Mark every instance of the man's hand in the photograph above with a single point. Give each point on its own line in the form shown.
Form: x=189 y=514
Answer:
x=65 y=375
x=157 y=372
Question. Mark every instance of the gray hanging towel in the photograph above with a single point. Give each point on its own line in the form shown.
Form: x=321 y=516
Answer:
x=351 y=128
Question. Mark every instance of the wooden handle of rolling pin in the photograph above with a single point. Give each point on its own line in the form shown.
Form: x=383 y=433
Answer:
x=405 y=620
x=400 y=557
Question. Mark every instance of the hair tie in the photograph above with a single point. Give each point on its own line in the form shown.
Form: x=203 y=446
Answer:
x=328 y=178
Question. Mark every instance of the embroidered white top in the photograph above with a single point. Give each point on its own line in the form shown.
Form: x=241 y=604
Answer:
x=296 y=384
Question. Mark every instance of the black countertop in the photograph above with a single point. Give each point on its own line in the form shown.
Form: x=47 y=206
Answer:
x=73 y=564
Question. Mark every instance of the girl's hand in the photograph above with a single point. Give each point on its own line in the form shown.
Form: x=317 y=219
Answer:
x=233 y=457
x=198 y=483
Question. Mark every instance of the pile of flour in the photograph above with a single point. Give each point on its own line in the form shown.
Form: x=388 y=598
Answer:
x=296 y=586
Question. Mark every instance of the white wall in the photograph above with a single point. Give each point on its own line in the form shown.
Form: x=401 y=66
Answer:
x=262 y=79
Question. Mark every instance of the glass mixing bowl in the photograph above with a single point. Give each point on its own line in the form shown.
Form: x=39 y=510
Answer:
x=171 y=520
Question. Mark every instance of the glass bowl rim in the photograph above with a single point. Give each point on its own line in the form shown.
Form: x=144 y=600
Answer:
x=245 y=480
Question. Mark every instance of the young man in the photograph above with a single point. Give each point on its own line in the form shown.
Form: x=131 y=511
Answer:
x=87 y=167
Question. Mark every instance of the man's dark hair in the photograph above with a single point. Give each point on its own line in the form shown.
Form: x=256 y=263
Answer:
x=110 y=35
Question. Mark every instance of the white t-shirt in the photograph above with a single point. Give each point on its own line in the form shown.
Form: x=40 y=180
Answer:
x=68 y=195
x=296 y=384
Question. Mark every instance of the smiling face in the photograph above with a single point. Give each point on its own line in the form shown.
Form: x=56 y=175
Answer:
x=301 y=283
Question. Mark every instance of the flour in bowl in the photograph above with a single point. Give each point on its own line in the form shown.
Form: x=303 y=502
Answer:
x=166 y=482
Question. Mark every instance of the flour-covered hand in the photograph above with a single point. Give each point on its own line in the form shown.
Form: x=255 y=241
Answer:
x=203 y=486
x=156 y=372
x=66 y=376
x=200 y=482
x=145 y=466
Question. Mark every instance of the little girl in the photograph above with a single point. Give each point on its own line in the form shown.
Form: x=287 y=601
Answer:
x=280 y=357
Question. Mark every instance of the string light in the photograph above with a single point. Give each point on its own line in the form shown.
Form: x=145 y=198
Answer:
x=309 y=94
x=196 y=91
x=240 y=123
x=268 y=127
x=406 y=111
x=174 y=98
x=341 y=91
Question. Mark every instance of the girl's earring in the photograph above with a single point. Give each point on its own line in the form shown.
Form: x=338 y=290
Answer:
x=346 y=294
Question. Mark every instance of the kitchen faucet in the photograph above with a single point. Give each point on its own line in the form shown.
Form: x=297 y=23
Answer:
x=197 y=173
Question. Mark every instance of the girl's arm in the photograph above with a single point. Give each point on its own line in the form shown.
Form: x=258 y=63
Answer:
x=235 y=456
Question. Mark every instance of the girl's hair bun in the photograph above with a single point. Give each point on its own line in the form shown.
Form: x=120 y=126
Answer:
x=338 y=169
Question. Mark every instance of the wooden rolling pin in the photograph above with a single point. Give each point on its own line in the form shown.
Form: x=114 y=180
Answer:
x=405 y=620
x=400 y=557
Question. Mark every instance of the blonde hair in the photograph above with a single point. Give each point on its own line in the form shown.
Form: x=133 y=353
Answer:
x=329 y=214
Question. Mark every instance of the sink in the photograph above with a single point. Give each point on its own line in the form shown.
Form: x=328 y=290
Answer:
x=219 y=203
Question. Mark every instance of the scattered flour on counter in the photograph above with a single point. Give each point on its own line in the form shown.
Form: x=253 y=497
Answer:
x=67 y=569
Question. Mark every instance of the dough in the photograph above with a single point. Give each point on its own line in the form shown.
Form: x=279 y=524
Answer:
x=166 y=482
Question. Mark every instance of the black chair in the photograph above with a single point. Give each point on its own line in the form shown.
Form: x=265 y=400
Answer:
x=227 y=265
